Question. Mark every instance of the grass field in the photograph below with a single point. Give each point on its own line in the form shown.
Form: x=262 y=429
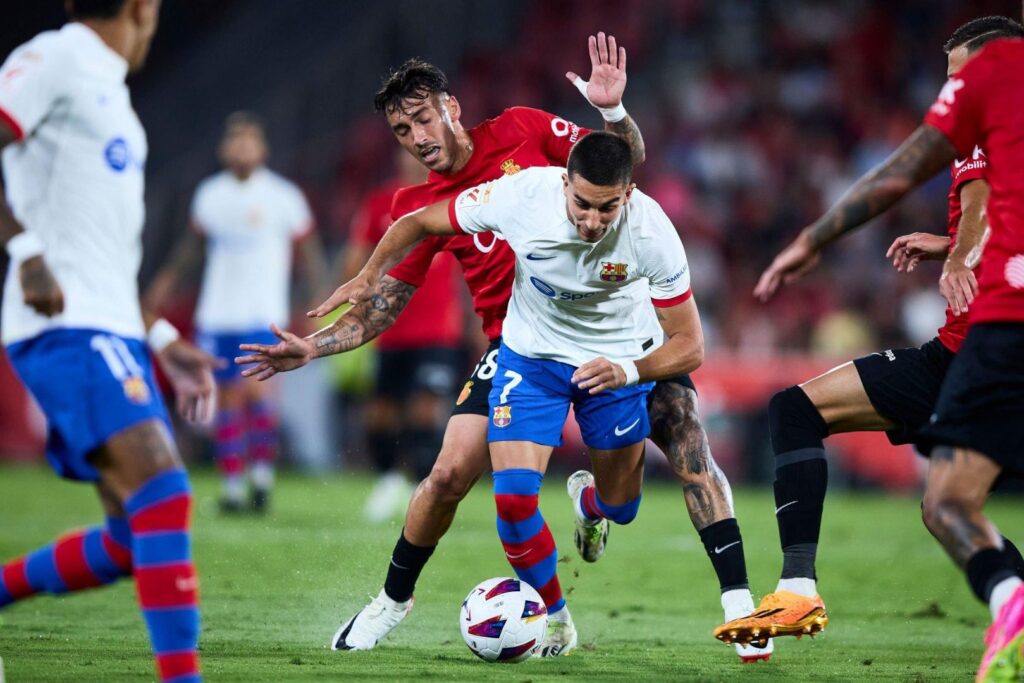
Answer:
x=275 y=589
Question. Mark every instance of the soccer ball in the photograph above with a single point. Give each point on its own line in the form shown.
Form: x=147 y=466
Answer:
x=503 y=620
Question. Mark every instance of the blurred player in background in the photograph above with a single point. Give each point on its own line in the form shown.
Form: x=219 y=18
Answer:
x=592 y=255
x=893 y=391
x=73 y=160
x=245 y=222
x=419 y=358
x=977 y=429
x=425 y=119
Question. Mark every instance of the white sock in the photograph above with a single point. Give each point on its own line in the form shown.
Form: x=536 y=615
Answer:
x=800 y=586
x=561 y=616
x=1001 y=593
x=262 y=475
x=233 y=488
x=737 y=603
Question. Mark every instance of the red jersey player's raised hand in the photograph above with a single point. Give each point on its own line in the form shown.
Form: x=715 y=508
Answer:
x=291 y=353
x=791 y=263
x=607 y=73
x=360 y=288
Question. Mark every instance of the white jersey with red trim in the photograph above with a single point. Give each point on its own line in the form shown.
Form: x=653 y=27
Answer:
x=573 y=301
x=74 y=178
x=249 y=227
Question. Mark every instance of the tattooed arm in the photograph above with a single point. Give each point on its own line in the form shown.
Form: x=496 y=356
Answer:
x=920 y=157
x=630 y=132
x=360 y=324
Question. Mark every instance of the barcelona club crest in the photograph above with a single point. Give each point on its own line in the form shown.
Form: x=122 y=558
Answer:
x=502 y=416
x=613 y=272
x=136 y=390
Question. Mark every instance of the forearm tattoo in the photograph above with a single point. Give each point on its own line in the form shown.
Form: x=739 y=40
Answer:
x=628 y=131
x=676 y=429
x=367 y=320
x=922 y=155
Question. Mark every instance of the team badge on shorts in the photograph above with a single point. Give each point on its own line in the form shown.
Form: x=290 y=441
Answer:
x=467 y=389
x=136 y=390
x=502 y=416
x=613 y=272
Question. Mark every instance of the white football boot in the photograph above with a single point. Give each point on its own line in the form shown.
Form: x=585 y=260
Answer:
x=371 y=624
x=739 y=603
x=388 y=498
x=561 y=636
x=591 y=535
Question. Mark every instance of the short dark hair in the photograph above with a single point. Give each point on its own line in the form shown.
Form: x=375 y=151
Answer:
x=246 y=119
x=415 y=79
x=94 y=9
x=601 y=158
x=977 y=32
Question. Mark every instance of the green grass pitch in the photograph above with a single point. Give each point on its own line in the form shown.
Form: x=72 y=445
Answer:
x=275 y=589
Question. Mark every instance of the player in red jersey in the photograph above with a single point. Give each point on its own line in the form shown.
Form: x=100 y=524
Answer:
x=425 y=119
x=976 y=431
x=419 y=358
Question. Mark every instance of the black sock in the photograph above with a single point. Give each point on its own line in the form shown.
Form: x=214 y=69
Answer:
x=985 y=569
x=407 y=562
x=423 y=445
x=383 y=450
x=1010 y=550
x=724 y=546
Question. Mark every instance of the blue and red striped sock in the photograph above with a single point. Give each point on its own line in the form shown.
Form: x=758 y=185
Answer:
x=229 y=443
x=165 y=578
x=528 y=543
x=595 y=508
x=76 y=561
x=262 y=432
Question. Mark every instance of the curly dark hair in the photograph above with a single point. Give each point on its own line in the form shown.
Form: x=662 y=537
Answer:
x=415 y=79
x=977 y=32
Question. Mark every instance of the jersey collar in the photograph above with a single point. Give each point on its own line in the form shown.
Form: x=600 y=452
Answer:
x=98 y=55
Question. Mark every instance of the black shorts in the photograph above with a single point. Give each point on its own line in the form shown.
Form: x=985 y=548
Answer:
x=473 y=398
x=434 y=370
x=981 y=405
x=682 y=380
x=903 y=385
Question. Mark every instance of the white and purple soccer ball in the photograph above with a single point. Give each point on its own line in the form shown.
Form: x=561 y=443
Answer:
x=503 y=620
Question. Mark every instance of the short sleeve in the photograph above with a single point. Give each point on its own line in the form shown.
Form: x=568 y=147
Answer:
x=663 y=259
x=957 y=111
x=28 y=88
x=484 y=207
x=557 y=134
x=300 y=217
x=413 y=268
x=969 y=168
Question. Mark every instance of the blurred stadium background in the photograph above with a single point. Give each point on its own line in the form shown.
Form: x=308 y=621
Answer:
x=756 y=115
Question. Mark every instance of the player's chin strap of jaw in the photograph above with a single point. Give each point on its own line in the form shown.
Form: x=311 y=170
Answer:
x=609 y=114
x=632 y=374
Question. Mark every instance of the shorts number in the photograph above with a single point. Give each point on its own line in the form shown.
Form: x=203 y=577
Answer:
x=487 y=366
x=514 y=379
x=116 y=355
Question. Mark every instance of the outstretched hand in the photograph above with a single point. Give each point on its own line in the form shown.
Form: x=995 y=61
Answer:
x=909 y=250
x=290 y=353
x=358 y=289
x=791 y=263
x=190 y=372
x=607 y=73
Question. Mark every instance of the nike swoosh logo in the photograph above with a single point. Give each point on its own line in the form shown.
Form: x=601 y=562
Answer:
x=620 y=432
x=783 y=507
x=959 y=163
x=534 y=257
x=719 y=551
x=520 y=555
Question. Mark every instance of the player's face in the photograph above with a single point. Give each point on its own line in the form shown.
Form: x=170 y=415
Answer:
x=243 y=150
x=592 y=208
x=146 y=15
x=426 y=129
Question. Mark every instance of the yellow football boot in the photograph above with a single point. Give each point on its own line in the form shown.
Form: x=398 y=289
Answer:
x=780 y=614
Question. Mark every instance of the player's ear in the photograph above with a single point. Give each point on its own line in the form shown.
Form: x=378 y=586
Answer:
x=454 y=108
x=629 y=190
x=565 y=181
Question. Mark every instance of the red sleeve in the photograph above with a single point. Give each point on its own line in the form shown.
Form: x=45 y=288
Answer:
x=957 y=111
x=557 y=134
x=16 y=130
x=454 y=217
x=413 y=269
x=971 y=168
x=674 y=301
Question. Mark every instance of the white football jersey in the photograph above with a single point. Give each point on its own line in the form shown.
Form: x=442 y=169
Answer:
x=249 y=228
x=75 y=179
x=573 y=301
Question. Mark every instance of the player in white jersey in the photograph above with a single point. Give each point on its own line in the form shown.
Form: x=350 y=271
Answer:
x=592 y=254
x=73 y=160
x=245 y=222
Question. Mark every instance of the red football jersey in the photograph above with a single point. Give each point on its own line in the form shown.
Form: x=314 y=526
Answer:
x=519 y=138
x=983 y=104
x=963 y=171
x=434 y=315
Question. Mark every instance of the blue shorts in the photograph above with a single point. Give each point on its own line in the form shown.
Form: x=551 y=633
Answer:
x=225 y=345
x=530 y=399
x=91 y=385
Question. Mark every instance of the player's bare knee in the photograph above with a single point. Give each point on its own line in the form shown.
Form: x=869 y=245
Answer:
x=450 y=482
x=132 y=457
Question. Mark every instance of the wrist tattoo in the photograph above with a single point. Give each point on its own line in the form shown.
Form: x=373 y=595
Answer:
x=366 y=320
x=628 y=131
